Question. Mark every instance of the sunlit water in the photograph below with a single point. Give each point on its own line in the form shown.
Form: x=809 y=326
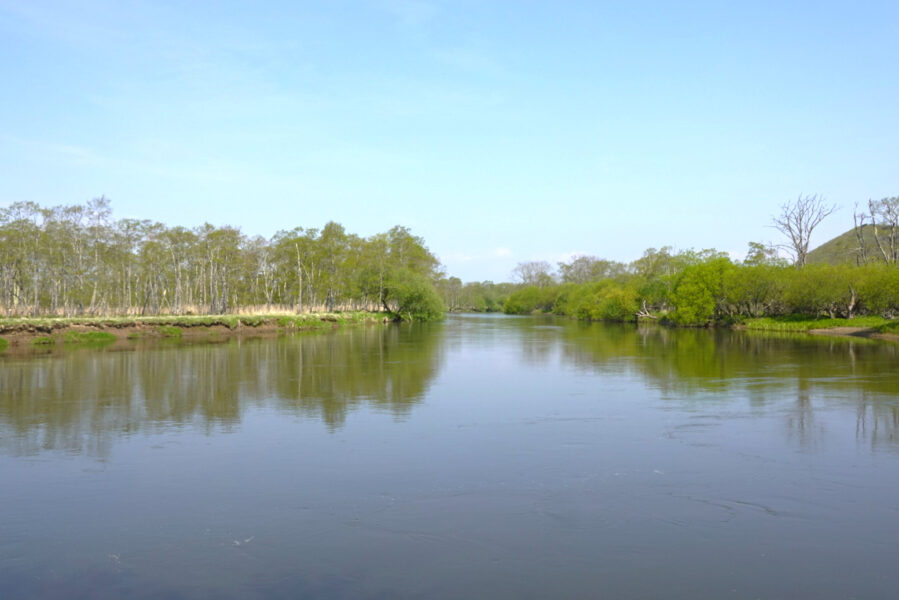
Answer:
x=484 y=457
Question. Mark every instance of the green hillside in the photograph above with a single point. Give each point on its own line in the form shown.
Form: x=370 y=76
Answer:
x=843 y=249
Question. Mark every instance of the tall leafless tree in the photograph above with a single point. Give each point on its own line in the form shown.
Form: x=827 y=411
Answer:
x=861 y=251
x=884 y=215
x=797 y=221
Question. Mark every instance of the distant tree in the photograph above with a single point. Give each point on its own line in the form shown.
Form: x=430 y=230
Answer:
x=583 y=269
x=797 y=221
x=535 y=272
x=450 y=290
x=763 y=254
x=74 y=260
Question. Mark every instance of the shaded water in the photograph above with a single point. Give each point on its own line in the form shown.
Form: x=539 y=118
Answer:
x=486 y=456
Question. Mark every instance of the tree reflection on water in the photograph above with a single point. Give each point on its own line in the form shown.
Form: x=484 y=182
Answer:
x=80 y=400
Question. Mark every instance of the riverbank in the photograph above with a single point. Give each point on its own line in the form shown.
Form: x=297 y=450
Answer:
x=49 y=332
x=864 y=327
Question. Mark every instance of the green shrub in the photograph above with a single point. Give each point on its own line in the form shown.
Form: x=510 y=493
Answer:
x=618 y=304
x=530 y=299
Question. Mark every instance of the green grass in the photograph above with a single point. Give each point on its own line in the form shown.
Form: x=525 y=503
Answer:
x=888 y=327
x=230 y=321
x=170 y=331
x=87 y=337
x=298 y=322
x=4 y=344
x=43 y=340
x=173 y=326
x=804 y=323
x=324 y=320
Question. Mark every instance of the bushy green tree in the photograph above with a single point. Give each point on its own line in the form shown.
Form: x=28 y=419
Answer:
x=755 y=290
x=411 y=296
x=699 y=295
x=610 y=302
x=530 y=299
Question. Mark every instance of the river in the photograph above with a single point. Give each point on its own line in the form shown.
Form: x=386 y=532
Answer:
x=483 y=457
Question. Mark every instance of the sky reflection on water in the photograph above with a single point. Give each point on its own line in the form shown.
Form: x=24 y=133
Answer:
x=485 y=456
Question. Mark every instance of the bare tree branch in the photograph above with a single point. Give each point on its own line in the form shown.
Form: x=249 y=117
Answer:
x=858 y=218
x=797 y=220
x=884 y=216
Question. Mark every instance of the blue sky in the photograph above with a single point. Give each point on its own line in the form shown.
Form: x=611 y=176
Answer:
x=498 y=131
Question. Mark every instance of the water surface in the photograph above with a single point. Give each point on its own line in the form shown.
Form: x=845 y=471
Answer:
x=487 y=456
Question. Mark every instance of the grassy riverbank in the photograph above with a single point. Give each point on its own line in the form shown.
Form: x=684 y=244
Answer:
x=37 y=332
x=868 y=326
x=805 y=324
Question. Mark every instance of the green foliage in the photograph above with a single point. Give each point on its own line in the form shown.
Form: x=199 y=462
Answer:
x=412 y=297
x=891 y=327
x=476 y=296
x=699 y=292
x=755 y=289
x=87 y=337
x=230 y=321
x=586 y=269
x=43 y=340
x=764 y=254
x=530 y=299
x=4 y=344
x=618 y=304
x=78 y=260
x=602 y=301
x=170 y=331
x=823 y=290
x=878 y=289
x=569 y=296
x=699 y=288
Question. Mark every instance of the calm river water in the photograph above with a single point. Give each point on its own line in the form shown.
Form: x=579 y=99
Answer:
x=483 y=457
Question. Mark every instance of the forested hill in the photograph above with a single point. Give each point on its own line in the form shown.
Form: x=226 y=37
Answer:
x=77 y=260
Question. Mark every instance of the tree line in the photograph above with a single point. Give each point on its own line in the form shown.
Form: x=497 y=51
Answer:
x=703 y=287
x=78 y=260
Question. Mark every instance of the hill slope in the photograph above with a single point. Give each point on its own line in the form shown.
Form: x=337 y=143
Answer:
x=844 y=248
